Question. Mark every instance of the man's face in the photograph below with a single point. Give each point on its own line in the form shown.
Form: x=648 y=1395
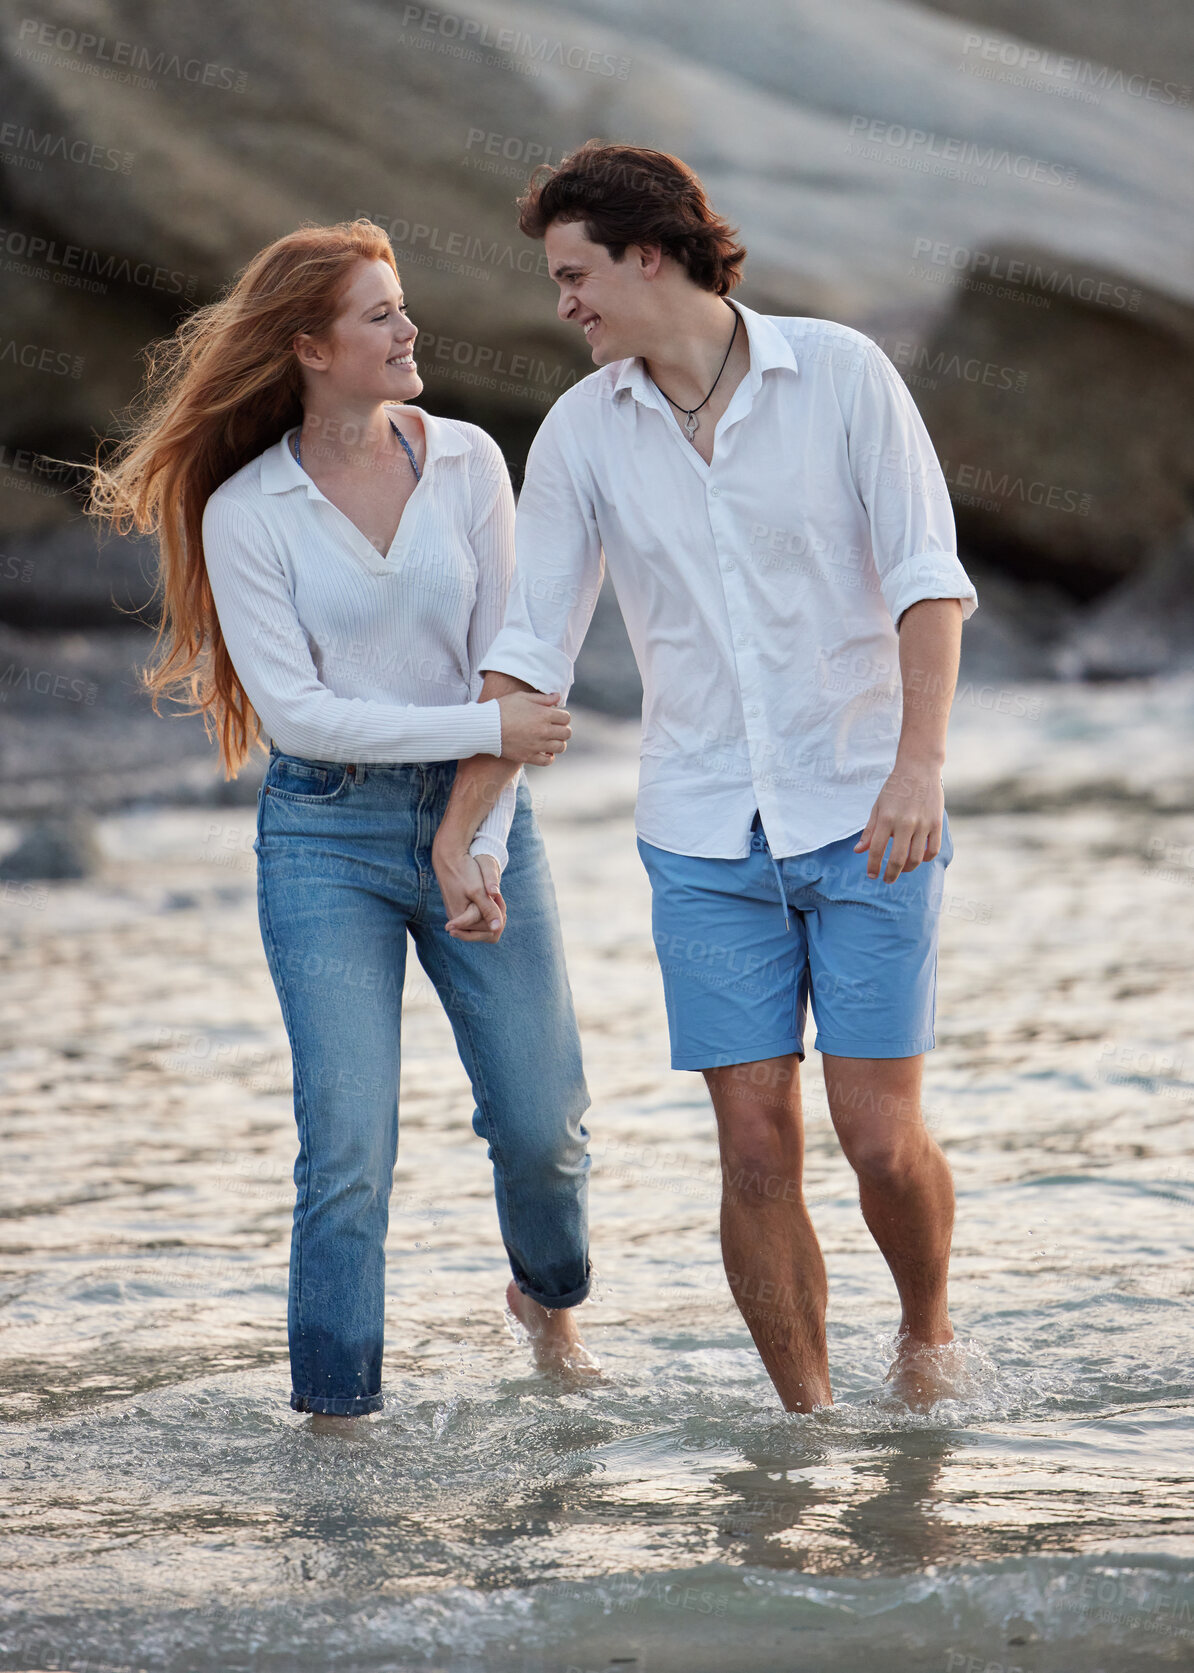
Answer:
x=609 y=301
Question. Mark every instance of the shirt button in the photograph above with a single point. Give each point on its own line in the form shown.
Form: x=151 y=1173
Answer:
x=728 y=564
x=753 y=710
x=715 y=492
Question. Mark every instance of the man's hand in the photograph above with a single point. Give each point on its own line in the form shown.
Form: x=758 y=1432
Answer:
x=909 y=813
x=471 y=888
x=534 y=730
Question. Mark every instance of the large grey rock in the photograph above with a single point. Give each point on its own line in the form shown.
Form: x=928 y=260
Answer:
x=58 y=848
x=1142 y=628
x=816 y=127
x=1149 y=39
x=1076 y=463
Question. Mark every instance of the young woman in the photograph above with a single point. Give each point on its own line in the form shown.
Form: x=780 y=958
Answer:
x=334 y=563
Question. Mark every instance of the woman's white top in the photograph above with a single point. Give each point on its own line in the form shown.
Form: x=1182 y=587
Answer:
x=351 y=654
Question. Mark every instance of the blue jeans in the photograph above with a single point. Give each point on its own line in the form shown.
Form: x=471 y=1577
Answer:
x=343 y=872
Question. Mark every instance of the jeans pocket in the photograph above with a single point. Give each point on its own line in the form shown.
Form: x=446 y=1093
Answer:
x=292 y=779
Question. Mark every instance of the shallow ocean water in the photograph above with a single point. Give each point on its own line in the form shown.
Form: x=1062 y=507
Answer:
x=164 y=1509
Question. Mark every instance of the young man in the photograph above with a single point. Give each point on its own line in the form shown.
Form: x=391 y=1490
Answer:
x=780 y=537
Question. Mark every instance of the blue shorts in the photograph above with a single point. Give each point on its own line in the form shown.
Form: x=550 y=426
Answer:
x=744 y=944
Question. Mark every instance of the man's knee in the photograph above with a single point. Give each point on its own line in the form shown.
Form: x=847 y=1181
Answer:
x=760 y=1159
x=883 y=1156
x=758 y=1118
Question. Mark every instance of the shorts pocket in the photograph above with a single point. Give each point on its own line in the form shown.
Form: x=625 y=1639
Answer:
x=289 y=778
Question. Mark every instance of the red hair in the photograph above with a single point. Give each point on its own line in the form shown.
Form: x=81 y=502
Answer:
x=217 y=393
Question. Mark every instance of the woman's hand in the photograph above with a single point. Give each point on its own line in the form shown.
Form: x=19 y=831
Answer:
x=534 y=731
x=471 y=890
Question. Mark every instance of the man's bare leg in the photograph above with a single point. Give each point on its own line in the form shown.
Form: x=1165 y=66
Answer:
x=906 y=1194
x=772 y=1258
x=555 y=1335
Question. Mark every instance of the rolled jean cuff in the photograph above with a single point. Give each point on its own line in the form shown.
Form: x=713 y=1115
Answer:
x=353 y=1405
x=556 y=1302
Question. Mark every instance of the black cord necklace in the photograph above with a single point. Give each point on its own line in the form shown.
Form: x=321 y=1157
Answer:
x=691 y=422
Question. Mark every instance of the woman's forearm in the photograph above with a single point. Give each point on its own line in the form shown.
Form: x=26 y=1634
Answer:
x=479 y=780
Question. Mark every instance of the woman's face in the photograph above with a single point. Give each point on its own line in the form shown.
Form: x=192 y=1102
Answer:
x=368 y=355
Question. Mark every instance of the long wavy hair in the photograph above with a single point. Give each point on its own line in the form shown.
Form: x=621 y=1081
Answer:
x=217 y=393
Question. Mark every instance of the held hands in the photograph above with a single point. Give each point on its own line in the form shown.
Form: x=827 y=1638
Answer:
x=471 y=888
x=909 y=812
x=534 y=731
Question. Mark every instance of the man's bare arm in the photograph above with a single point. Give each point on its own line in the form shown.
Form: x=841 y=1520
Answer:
x=910 y=808
x=469 y=886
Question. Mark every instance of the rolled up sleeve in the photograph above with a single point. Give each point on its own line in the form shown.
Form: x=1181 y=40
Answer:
x=901 y=483
x=559 y=565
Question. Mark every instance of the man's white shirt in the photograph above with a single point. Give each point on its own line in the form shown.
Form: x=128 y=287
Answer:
x=761 y=593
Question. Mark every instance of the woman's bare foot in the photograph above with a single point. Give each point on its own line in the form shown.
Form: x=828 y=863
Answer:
x=331 y=1423
x=555 y=1339
x=923 y=1373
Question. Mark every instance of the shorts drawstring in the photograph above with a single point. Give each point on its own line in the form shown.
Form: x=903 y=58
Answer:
x=759 y=844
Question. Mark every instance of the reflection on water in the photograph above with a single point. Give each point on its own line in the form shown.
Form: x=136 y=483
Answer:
x=165 y=1509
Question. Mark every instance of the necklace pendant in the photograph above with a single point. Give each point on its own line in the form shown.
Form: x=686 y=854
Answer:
x=692 y=424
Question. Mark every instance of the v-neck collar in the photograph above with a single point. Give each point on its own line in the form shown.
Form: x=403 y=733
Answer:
x=281 y=473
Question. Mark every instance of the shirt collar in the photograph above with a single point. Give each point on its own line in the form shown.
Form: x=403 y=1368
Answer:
x=769 y=348
x=281 y=471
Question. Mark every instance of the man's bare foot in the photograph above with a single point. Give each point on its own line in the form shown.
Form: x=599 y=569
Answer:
x=555 y=1339
x=923 y=1373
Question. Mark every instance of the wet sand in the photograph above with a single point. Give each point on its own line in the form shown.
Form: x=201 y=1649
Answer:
x=166 y=1510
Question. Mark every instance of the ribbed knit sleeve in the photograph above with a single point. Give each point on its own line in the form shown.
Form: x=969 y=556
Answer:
x=272 y=658
x=492 y=539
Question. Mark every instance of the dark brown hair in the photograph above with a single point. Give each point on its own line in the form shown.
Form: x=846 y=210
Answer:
x=626 y=194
